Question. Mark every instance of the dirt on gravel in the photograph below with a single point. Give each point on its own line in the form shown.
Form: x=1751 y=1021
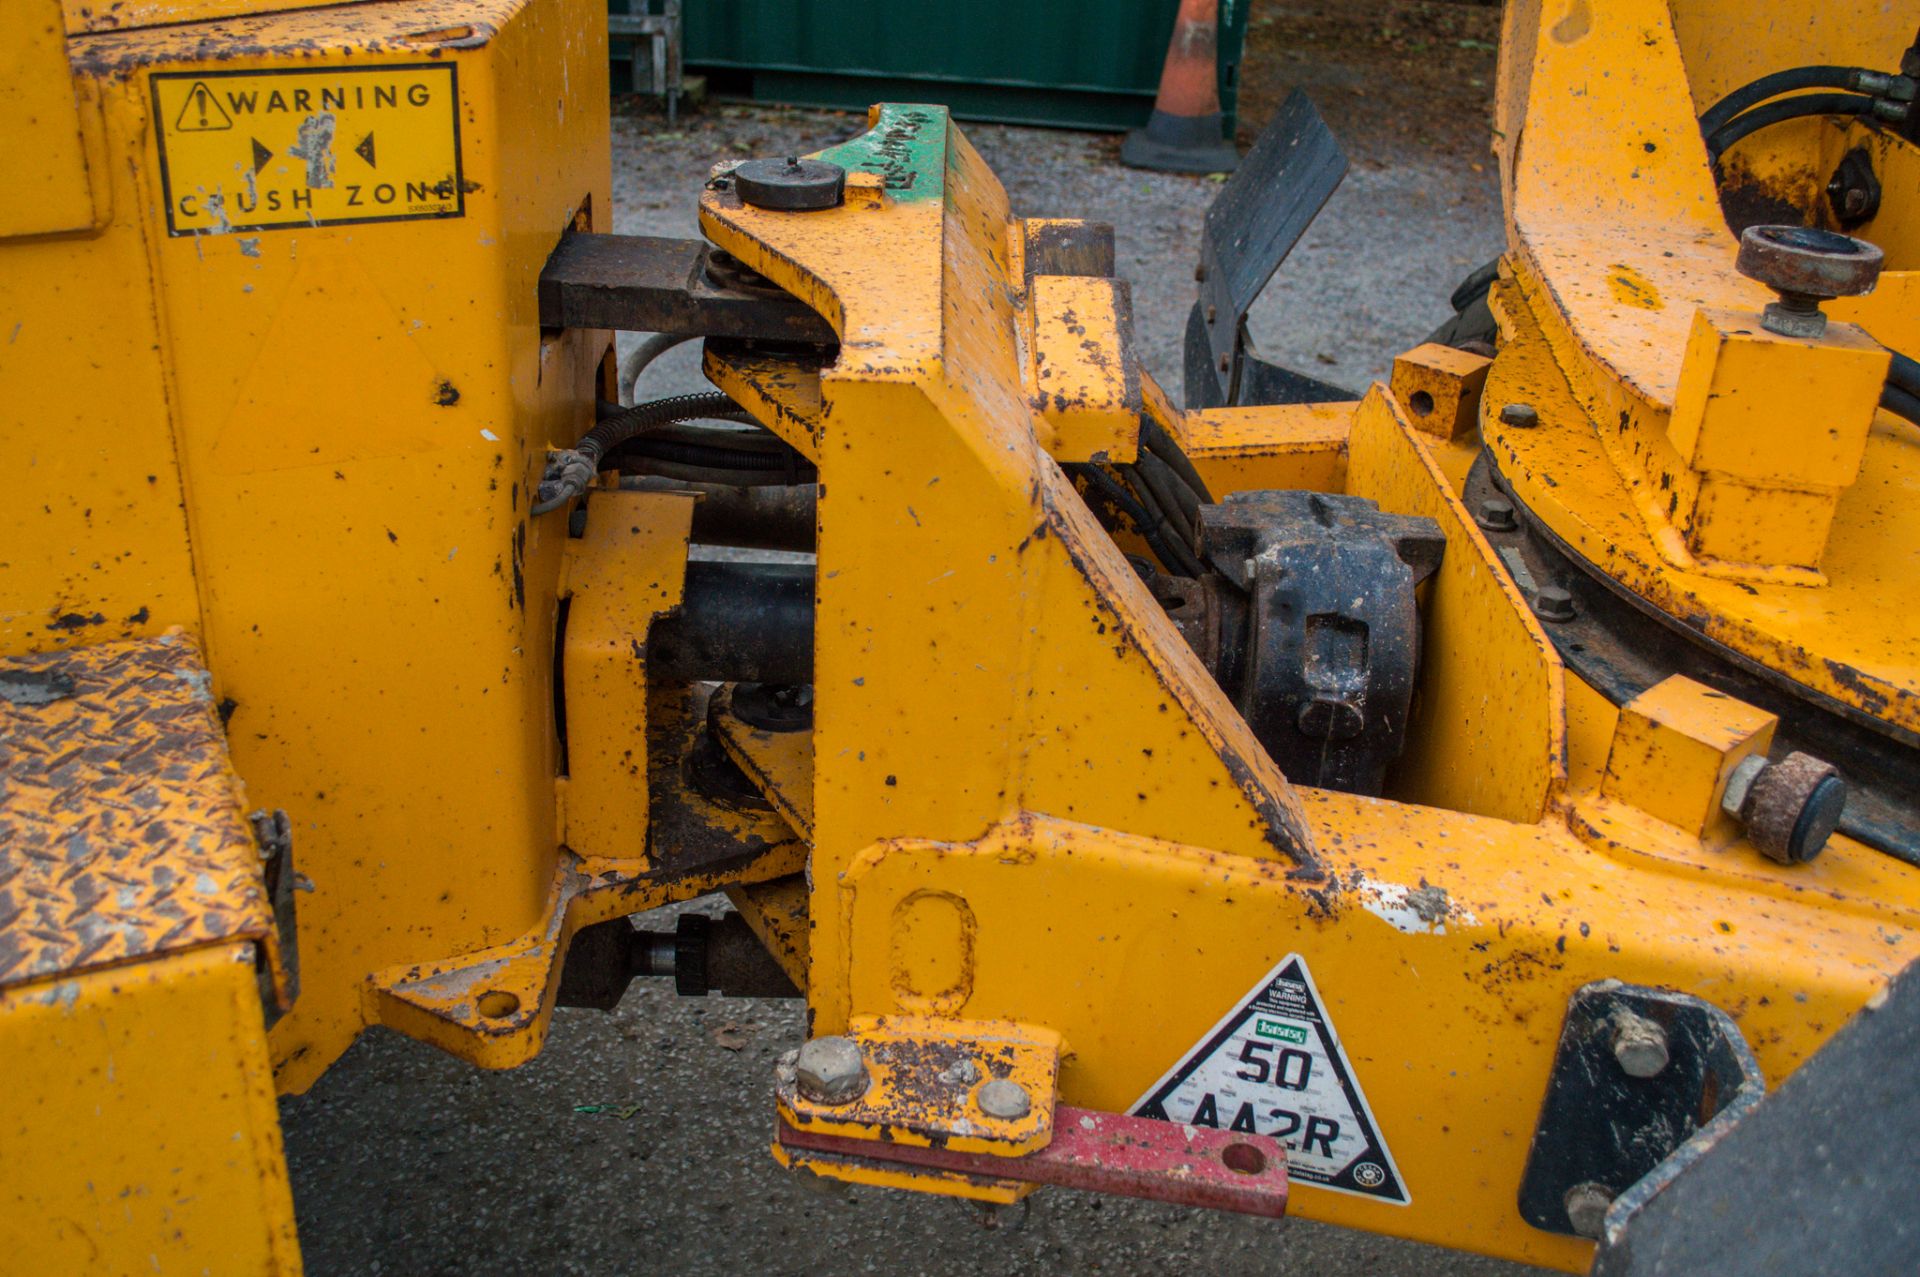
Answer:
x=1392 y=78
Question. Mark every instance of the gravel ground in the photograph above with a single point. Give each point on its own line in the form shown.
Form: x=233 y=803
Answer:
x=407 y=1161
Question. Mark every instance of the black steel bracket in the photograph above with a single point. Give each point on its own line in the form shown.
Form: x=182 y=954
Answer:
x=648 y=284
x=1613 y=1128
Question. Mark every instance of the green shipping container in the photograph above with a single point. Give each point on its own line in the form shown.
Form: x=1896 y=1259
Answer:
x=1089 y=64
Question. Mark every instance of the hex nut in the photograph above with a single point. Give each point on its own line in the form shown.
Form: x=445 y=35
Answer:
x=1007 y=1101
x=1553 y=603
x=1639 y=1045
x=1788 y=321
x=1587 y=1207
x=1522 y=415
x=1496 y=515
x=830 y=1070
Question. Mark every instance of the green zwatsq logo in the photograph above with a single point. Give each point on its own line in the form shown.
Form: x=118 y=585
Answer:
x=1289 y=1033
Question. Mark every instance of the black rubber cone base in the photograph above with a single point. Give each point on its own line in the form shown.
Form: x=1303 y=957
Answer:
x=1180 y=144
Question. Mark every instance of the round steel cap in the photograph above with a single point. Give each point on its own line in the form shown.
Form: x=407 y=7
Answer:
x=1807 y=261
x=791 y=185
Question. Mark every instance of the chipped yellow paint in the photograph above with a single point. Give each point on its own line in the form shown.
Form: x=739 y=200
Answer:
x=1488 y=732
x=139 y=1123
x=1439 y=388
x=777 y=912
x=1674 y=748
x=1278 y=446
x=123 y=830
x=1079 y=696
x=924 y=1076
x=1630 y=288
x=628 y=568
x=1085 y=378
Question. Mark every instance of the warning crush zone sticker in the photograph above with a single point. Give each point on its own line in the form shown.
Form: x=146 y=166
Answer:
x=308 y=146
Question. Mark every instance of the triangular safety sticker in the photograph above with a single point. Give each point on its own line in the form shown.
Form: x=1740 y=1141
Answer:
x=1274 y=1066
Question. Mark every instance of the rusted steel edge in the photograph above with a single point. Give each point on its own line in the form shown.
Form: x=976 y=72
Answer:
x=1111 y=1153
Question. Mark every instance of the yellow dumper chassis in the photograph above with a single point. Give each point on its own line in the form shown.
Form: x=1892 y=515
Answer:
x=993 y=781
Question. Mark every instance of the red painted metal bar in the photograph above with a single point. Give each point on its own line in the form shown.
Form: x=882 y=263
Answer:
x=1108 y=1153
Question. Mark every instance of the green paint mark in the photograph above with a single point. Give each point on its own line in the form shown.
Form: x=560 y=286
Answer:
x=908 y=148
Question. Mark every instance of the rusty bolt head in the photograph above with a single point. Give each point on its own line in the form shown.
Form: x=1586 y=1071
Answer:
x=1521 y=415
x=1587 y=1207
x=1639 y=1045
x=1005 y=1100
x=1552 y=603
x=1790 y=808
x=1496 y=515
x=829 y=1070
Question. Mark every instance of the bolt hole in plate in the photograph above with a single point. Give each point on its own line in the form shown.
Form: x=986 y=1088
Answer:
x=1243 y=1159
x=496 y=1004
x=1421 y=402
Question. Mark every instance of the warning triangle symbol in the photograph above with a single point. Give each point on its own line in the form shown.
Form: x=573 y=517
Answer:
x=1274 y=1066
x=261 y=155
x=364 y=149
x=202 y=112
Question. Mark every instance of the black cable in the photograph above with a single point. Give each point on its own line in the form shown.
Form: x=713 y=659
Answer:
x=570 y=471
x=1172 y=486
x=616 y=430
x=1123 y=501
x=1901 y=402
x=1772 y=86
x=1157 y=487
x=1161 y=445
x=707 y=474
x=1163 y=524
x=1782 y=110
x=1905 y=373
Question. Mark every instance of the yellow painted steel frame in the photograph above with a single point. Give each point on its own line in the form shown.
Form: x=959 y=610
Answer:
x=1024 y=801
x=1742 y=483
x=1027 y=804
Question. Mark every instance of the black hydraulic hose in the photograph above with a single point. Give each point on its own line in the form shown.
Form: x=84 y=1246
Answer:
x=1161 y=445
x=1124 y=501
x=617 y=429
x=569 y=472
x=707 y=456
x=1901 y=402
x=1905 y=373
x=1772 y=86
x=1785 y=109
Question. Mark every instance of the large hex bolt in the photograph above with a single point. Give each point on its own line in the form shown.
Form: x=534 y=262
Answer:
x=830 y=1070
x=1005 y=1100
x=1806 y=267
x=1790 y=808
x=1639 y=1045
x=1587 y=1207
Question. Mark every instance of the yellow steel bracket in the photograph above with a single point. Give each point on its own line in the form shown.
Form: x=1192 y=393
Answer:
x=493 y=1006
x=965 y=1086
x=1061 y=687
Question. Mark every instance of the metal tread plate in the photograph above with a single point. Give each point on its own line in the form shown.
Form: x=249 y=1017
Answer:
x=123 y=833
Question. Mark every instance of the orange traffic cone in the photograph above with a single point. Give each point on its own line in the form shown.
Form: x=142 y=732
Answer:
x=1183 y=135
